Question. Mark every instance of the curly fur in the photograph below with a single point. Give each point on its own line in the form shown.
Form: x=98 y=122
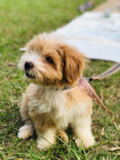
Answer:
x=45 y=106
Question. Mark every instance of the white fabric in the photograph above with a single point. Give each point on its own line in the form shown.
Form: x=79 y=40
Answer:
x=94 y=35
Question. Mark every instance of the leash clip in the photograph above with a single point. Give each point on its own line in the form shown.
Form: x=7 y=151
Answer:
x=88 y=79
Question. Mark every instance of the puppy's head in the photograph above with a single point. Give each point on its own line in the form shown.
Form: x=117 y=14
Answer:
x=49 y=61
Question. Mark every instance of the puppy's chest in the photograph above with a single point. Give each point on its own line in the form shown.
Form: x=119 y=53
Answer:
x=49 y=102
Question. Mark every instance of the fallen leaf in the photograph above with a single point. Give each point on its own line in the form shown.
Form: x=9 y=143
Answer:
x=4 y=125
x=13 y=75
x=1 y=110
x=96 y=136
x=57 y=158
x=94 y=126
x=116 y=126
x=102 y=131
x=114 y=148
x=19 y=159
x=115 y=142
x=1 y=148
x=119 y=154
x=11 y=64
x=119 y=127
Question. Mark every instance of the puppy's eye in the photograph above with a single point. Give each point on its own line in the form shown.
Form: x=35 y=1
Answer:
x=49 y=60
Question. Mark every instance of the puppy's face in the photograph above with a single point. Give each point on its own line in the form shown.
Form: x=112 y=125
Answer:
x=50 y=62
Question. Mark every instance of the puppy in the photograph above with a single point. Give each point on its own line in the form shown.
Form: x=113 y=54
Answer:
x=53 y=100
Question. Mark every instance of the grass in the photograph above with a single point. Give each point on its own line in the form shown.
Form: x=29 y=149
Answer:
x=19 y=22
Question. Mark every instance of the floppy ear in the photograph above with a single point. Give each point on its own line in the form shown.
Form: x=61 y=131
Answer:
x=74 y=64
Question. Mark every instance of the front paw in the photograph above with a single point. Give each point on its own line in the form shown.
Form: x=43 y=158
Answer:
x=25 y=132
x=85 y=141
x=43 y=144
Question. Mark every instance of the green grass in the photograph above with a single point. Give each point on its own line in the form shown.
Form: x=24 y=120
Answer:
x=19 y=22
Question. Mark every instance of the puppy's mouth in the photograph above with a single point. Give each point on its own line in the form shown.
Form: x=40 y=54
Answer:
x=30 y=76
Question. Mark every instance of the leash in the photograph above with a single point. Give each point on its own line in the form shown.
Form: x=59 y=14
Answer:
x=84 y=84
x=109 y=72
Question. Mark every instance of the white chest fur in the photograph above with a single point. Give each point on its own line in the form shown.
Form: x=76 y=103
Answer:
x=54 y=102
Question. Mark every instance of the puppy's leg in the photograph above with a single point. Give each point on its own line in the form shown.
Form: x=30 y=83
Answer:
x=27 y=130
x=47 y=139
x=24 y=108
x=82 y=131
x=63 y=135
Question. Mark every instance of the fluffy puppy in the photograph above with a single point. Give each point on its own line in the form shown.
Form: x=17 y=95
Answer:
x=53 y=100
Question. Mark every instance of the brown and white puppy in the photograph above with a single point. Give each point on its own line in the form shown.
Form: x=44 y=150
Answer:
x=51 y=66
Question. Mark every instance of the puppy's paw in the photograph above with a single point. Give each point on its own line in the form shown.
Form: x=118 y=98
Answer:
x=63 y=135
x=86 y=141
x=43 y=144
x=25 y=131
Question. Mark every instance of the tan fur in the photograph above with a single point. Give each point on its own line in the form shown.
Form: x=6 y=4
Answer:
x=63 y=135
x=79 y=95
x=68 y=61
x=45 y=106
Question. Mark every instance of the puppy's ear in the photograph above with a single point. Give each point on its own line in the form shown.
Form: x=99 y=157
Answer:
x=73 y=63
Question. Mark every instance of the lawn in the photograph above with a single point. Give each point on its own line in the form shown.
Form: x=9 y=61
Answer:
x=19 y=22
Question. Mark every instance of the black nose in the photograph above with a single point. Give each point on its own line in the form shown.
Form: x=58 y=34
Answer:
x=28 y=65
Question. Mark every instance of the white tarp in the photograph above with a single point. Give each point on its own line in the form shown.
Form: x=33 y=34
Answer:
x=94 y=35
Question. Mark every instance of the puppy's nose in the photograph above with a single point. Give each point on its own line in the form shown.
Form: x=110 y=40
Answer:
x=28 y=65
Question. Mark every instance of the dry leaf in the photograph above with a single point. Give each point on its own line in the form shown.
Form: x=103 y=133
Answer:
x=4 y=125
x=13 y=75
x=116 y=126
x=1 y=110
x=57 y=158
x=19 y=159
x=96 y=136
x=114 y=148
x=119 y=154
x=115 y=142
x=11 y=64
x=102 y=131
x=1 y=148
x=119 y=127
x=94 y=127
